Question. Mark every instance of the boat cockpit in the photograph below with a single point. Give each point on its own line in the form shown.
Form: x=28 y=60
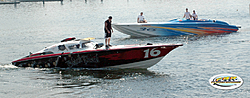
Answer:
x=69 y=46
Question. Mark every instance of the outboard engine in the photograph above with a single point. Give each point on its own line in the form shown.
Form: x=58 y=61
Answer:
x=99 y=45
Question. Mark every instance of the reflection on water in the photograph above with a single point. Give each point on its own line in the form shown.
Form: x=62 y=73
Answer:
x=82 y=77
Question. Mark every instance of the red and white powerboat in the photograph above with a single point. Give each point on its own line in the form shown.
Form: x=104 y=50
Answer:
x=84 y=53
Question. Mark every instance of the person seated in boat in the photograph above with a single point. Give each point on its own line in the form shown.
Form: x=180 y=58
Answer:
x=141 y=18
x=187 y=15
x=194 y=16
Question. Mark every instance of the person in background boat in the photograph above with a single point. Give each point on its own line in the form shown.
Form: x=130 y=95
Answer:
x=141 y=18
x=187 y=15
x=108 y=30
x=194 y=15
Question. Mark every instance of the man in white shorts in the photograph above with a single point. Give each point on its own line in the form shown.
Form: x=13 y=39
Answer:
x=141 y=18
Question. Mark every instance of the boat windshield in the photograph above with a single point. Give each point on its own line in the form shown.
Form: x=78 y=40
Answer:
x=200 y=20
x=75 y=46
x=185 y=20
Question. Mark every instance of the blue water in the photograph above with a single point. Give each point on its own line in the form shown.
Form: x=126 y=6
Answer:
x=184 y=72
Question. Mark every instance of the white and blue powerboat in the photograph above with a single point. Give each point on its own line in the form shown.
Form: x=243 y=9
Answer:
x=175 y=27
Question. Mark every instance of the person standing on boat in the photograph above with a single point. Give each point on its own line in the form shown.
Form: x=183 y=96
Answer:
x=141 y=18
x=108 y=30
x=187 y=15
x=194 y=15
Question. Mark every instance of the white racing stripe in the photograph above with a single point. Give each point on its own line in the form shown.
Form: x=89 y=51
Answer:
x=140 y=65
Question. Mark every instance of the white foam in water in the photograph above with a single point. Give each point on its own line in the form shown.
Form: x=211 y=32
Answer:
x=7 y=66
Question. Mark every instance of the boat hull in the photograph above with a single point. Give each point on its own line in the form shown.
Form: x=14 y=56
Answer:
x=133 y=57
x=174 y=28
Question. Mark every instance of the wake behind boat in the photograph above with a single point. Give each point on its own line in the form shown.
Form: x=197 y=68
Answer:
x=175 y=27
x=83 y=53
